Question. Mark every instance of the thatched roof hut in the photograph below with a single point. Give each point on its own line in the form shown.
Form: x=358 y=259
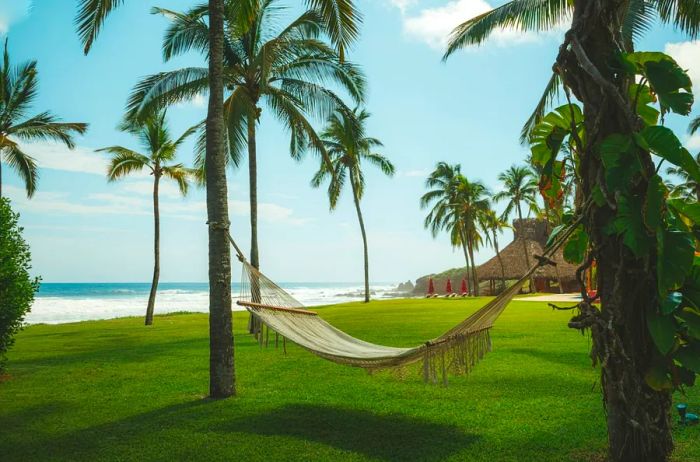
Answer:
x=529 y=234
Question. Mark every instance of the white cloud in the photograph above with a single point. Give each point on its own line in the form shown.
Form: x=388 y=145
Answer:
x=693 y=142
x=687 y=54
x=13 y=11
x=433 y=26
x=145 y=188
x=199 y=101
x=56 y=156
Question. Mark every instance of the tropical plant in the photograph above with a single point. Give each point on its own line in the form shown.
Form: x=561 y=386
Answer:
x=493 y=225
x=286 y=70
x=457 y=206
x=347 y=147
x=342 y=22
x=638 y=330
x=688 y=188
x=17 y=287
x=18 y=89
x=161 y=150
x=519 y=186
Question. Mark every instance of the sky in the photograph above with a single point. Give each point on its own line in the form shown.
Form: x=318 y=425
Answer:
x=468 y=111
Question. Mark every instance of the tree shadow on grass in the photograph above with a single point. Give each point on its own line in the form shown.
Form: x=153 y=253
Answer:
x=567 y=358
x=385 y=437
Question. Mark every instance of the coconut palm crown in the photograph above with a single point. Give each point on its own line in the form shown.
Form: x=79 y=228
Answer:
x=18 y=89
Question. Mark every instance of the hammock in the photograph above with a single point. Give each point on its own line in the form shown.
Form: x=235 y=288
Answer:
x=456 y=351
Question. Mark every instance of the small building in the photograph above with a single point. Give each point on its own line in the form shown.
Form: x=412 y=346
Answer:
x=529 y=234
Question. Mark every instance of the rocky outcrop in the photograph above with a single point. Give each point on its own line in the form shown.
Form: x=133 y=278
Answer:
x=405 y=287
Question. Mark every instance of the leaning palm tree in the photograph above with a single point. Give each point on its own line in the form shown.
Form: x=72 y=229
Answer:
x=289 y=71
x=18 y=89
x=519 y=186
x=347 y=146
x=155 y=137
x=492 y=225
x=472 y=205
x=342 y=23
x=443 y=185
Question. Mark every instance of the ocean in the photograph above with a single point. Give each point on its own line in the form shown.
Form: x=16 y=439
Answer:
x=70 y=302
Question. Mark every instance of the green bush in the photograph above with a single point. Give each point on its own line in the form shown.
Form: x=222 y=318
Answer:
x=17 y=287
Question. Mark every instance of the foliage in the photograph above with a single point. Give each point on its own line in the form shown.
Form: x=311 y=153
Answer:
x=519 y=186
x=18 y=90
x=655 y=223
x=17 y=287
x=288 y=70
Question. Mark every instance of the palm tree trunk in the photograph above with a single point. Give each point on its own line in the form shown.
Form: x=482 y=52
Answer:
x=0 y=175
x=468 y=266
x=524 y=240
x=254 y=324
x=364 y=237
x=500 y=261
x=156 y=250
x=638 y=417
x=222 y=382
x=475 y=277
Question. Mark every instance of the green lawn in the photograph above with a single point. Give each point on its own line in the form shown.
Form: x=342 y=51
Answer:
x=115 y=390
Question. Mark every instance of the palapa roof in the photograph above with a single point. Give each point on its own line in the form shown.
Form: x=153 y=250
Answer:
x=531 y=234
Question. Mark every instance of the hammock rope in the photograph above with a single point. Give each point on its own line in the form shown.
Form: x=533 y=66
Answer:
x=455 y=352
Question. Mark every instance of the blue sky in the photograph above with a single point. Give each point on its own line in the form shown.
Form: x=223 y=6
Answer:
x=466 y=111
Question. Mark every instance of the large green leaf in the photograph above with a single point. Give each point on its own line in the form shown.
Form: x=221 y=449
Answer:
x=691 y=286
x=689 y=356
x=667 y=79
x=663 y=331
x=629 y=224
x=654 y=202
x=645 y=98
x=691 y=319
x=619 y=157
x=549 y=134
x=657 y=375
x=688 y=209
x=576 y=246
x=664 y=143
x=675 y=252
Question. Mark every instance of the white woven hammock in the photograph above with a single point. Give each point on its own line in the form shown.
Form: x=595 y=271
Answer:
x=456 y=351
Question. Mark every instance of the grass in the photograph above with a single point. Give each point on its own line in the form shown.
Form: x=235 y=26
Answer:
x=115 y=390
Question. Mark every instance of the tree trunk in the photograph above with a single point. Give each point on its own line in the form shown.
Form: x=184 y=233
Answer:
x=531 y=287
x=364 y=237
x=221 y=349
x=638 y=418
x=0 y=174
x=500 y=261
x=468 y=276
x=475 y=277
x=254 y=324
x=156 y=249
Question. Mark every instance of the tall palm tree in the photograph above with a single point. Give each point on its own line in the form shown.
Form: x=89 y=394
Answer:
x=18 y=89
x=161 y=150
x=347 y=146
x=342 y=22
x=639 y=423
x=286 y=70
x=492 y=225
x=519 y=186
x=457 y=205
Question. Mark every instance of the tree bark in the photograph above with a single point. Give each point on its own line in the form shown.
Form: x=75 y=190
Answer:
x=254 y=324
x=500 y=261
x=475 y=277
x=364 y=237
x=468 y=266
x=221 y=348
x=156 y=249
x=638 y=417
x=531 y=283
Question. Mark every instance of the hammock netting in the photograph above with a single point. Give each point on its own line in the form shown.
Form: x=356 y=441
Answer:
x=454 y=352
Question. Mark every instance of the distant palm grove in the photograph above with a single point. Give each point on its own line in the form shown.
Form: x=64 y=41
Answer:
x=601 y=165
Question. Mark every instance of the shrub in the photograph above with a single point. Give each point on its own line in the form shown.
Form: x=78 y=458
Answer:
x=17 y=287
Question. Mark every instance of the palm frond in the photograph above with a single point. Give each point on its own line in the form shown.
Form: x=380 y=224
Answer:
x=24 y=165
x=551 y=93
x=166 y=88
x=682 y=14
x=91 y=17
x=45 y=126
x=382 y=162
x=180 y=175
x=638 y=20
x=124 y=161
x=342 y=21
x=694 y=125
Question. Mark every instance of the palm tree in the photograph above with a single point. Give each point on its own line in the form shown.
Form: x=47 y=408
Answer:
x=492 y=225
x=156 y=139
x=342 y=22
x=519 y=185
x=694 y=125
x=286 y=70
x=639 y=423
x=688 y=188
x=347 y=146
x=457 y=205
x=18 y=89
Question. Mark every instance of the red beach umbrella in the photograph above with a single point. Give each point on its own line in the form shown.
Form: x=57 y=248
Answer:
x=448 y=288
x=431 y=286
x=465 y=289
